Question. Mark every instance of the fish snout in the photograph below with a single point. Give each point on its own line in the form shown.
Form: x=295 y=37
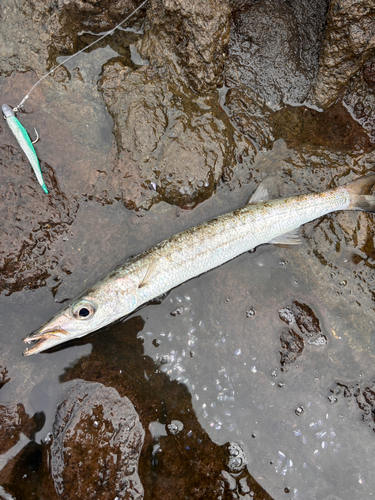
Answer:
x=45 y=338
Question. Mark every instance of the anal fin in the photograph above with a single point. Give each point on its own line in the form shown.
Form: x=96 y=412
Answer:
x=290 y=238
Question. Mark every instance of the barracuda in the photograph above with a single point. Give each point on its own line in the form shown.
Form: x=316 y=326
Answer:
x=193 y=252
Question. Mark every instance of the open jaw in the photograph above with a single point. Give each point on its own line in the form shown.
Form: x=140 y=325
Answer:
x=44 y=340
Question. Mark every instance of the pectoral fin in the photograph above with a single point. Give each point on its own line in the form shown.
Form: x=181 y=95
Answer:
x=150 y=272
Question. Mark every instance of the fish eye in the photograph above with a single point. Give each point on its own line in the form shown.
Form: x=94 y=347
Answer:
x=83 y=310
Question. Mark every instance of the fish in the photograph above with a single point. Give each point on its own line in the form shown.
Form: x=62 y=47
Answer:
x=23 y=139
x=194 y=252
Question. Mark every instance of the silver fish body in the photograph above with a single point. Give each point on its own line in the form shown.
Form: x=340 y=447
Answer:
x=193 y=252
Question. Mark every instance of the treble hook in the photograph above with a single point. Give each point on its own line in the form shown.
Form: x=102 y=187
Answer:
x=37 y=137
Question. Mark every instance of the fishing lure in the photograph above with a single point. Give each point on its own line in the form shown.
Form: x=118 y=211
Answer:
x=23 y=139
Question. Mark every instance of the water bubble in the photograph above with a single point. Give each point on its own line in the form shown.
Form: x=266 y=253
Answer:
x=175 y=427
x=48 y=438
x=236 y=458
x=299 y=410
x=251 y=313
x=177 y=311
x=332 y=399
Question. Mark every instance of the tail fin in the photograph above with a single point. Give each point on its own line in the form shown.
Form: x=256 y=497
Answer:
x=359 y=193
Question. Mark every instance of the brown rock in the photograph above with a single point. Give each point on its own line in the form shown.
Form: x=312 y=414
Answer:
x=172 y=145
x=188 y=37
x=97 y=440
x=359 y=98
x=292 y=345
x=274 y=48
x=13 y=421
x=349 y=43
x=30 y=221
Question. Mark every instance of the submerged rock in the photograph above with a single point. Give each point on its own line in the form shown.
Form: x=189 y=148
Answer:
x=362 y=393
x=188 y=38
x=292 y=346
x=97 y=440
x=13 y=421
x=172 y=145
x=349 y=43
x=251 y=116
x=30 y=221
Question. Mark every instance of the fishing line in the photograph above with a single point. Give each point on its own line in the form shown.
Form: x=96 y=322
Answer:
x=110 y=32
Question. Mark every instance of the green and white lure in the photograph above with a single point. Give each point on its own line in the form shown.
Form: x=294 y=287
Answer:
x=23 y=139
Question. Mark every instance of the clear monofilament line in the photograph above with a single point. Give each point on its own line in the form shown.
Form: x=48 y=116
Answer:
x=110 y=32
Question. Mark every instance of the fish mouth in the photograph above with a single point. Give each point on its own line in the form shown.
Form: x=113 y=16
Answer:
x=44 y=340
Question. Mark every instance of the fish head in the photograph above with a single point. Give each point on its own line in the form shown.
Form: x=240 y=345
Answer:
x=85 y=315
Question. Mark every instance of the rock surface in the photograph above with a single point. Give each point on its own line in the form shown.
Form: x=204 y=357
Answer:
x=172 y=145
x=30 y=221
x=359 y=98
x=97 y=440
x=188 y=39
x=13 y=421
x=279 y=63
x=349 y=43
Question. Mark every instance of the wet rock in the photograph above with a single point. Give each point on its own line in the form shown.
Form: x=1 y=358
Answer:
x=250 y=115
x=33 y=34
x=359 y=99
x=98 y=16
x=30 y=221
x=97 y=439
x=349 y=43
x=292 y=345
x=168 y=138
x=3 y=375
x=237 y=482
x=13 y=421
x=188 y=38
x=364 y=396
x=303 y=316
x=274 y=48
x=336 y=128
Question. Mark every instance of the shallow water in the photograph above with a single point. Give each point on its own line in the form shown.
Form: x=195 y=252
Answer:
x=209 y=352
